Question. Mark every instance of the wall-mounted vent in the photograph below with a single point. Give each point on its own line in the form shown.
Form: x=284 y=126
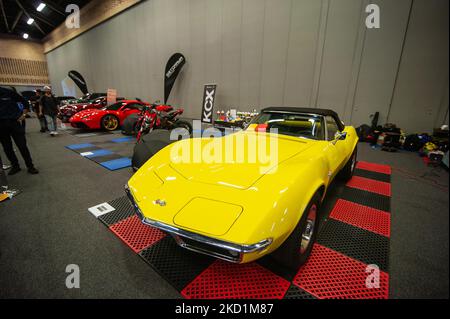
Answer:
x=23 y=72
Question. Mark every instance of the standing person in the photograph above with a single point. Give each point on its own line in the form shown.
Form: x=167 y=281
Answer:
x=35 y=101
x=49 y=107
x=13 y=109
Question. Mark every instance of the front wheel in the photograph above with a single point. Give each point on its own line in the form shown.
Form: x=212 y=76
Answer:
x=296 y=249
x=346 y=173
x=184 y=124
x=110 y=122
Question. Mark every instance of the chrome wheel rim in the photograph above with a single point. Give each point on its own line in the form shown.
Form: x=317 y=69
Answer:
x=110 y=123
x=353 y=162
x=308 y=232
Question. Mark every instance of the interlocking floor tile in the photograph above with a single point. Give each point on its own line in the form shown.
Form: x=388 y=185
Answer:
x=135 y=234
x=331 y=275
x=224 y=280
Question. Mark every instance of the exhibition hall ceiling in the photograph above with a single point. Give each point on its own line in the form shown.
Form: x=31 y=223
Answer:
x=19 y=17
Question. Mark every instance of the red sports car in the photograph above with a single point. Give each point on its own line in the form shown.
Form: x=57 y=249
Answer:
x=69 y=110
x=108 y=118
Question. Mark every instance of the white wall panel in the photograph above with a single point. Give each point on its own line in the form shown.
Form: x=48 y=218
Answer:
x=231 y=53
x=380 y=60
x=302 y=52
x=423 y=73
x=180 y=92
x=340 y=41
x=197 y=56
x=274 y=52
x=253 y=17
x=275 y=45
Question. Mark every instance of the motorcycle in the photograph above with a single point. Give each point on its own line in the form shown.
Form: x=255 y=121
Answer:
x=158 y=116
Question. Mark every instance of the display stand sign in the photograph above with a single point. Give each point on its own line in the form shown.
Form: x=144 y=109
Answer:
x=111 y=96
x=173 y=68
x=101 y=209
x=209 y=97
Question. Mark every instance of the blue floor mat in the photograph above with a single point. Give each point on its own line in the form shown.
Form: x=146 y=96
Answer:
x=97 y=153
x=117 y=164
x=123 y=139
x=79 y=146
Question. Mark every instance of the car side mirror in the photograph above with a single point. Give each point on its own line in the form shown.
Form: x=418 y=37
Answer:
x=340 y=136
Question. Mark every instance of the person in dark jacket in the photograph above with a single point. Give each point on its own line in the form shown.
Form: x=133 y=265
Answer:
x=13 y=109
x=35 y=100
x=49 y=107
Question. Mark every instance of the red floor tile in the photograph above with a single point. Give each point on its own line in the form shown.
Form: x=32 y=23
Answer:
x=331 y=275
x=361 y=216
x=370 y=185
x=224 y=280
x=135 y=234
x=379 y=168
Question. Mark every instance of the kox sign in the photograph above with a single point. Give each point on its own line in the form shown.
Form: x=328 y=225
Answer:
x=209 y=97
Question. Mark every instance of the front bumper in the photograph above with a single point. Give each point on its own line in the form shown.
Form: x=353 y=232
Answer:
x=203 y=244
x=79 y=125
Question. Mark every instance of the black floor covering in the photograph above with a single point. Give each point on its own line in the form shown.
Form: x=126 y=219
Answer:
x=47 y=227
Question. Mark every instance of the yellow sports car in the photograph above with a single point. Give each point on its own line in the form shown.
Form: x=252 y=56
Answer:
x=251 y=193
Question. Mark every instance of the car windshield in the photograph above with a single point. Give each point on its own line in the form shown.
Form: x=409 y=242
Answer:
x=114 y=107
x=300 y=125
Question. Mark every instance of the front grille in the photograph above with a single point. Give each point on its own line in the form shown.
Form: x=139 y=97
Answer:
x=208 y=249
x=80 y=125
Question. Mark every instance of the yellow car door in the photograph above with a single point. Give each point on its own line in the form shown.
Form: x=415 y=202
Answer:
x=336 y=148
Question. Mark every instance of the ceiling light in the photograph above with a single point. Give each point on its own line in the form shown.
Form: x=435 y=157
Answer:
x=30 y=21
x=25 y=35
x=40 y=7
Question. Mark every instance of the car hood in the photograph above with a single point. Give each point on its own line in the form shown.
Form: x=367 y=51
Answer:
x=241 y=169
x=88 y=112
x=213 y=199
x=78 y=105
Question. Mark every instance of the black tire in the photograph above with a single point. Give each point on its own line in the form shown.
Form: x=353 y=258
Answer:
x=184 y=124
x=148 y=146
x=295 y=251
x=346 y=173
x=129 y=125
x=107 y=127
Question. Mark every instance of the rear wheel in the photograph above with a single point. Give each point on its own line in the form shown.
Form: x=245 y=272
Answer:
x=295 y=251
x=347 y=172
x=110 y=122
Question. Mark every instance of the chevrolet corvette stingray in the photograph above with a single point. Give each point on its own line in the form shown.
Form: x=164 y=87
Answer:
x=108 y=118
x=237 y=211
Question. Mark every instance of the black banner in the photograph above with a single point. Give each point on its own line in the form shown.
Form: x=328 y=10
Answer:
x=209 y=97
x=79 y=81
x=173 y=68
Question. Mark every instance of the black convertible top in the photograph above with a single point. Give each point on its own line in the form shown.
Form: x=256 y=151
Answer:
x=305 y=110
